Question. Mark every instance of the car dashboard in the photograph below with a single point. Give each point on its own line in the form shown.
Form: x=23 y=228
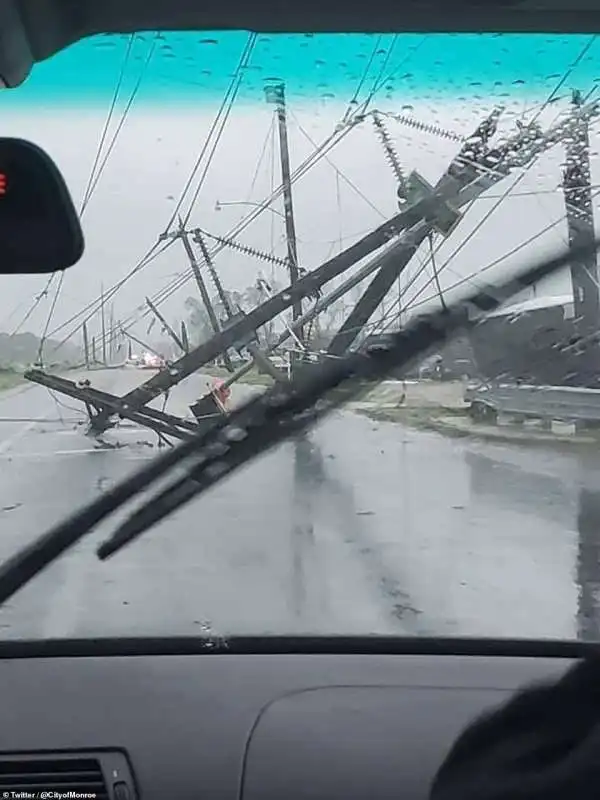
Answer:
x=249 y=719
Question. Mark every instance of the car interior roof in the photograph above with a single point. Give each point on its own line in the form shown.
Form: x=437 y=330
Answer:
x=33 y=30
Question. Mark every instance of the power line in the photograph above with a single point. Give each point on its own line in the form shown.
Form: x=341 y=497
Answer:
x=354 y=99
x=126 y=110
x=338 y=171
x=238 y=77
x=94 y=177
x=50 y=315
x=109 y=116
x=179 y=282
x=249 y=44
x=91 y=308
x=519 y=178
x=491 y=265
x=261 y=158
x=35 y=304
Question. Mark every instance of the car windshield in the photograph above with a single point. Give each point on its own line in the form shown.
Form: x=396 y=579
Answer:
x=213 y=171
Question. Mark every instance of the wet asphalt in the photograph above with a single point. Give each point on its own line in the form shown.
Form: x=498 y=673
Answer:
x=371 y=527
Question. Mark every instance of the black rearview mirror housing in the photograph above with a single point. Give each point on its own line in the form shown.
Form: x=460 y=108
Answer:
x=40 y=230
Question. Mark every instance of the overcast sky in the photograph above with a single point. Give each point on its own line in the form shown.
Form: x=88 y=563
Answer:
x=341 y=198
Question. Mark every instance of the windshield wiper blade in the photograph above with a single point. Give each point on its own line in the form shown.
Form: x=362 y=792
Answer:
x=409 y=345
x=288 y=410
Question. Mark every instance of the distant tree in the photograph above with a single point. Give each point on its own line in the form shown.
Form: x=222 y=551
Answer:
x=197 y=321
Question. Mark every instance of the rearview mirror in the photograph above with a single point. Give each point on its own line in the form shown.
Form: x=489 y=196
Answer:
x=39 y=226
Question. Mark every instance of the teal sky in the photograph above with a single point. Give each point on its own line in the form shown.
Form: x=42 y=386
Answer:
x=197 y=66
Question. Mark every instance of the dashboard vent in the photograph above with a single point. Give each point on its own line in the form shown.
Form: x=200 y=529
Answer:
x=60 y=774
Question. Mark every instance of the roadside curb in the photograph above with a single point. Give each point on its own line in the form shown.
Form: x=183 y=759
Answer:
x=461 y=427
x=449 y=423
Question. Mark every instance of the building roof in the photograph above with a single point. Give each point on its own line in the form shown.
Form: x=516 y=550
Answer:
x=534 y=304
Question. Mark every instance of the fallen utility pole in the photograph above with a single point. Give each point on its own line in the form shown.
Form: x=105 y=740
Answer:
x=477 y=169
x=232 y=314
x=462 y=169
x=142 y=344
x=223 y=296
x=428 y=208
x=322 y=304
x=183 y=235
x=105 y=403
x=242 y=332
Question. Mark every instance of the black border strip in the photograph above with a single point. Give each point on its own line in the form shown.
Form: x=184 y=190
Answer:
x=295 y=645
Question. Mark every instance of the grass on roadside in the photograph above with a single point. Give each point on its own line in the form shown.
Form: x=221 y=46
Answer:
x=9 y=379
x=253 y=377
x=412 y=416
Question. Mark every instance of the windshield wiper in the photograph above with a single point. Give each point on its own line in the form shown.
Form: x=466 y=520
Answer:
x=281 y=412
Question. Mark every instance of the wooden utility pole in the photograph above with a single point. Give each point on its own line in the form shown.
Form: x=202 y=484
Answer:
x=261 y=360
x=103 y=322
x=165 y=325
x=275 y=94
x=142 y=344
x=184 y=337
x=199 y=280
x=111 y=334
x=182 y=233
x=302 y=526
x=580 y=221
x=86 y=346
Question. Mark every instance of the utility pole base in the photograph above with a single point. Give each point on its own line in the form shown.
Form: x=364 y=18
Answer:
x=104 y=409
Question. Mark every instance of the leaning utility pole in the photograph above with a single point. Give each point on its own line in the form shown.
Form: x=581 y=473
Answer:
x=580 y=221
x=395 y=239
x=183 y=235
x=275 y=95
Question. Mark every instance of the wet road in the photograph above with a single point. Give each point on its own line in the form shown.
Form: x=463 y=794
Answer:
x=373 y=528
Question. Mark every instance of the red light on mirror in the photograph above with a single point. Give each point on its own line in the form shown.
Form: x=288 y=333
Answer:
x=2 y=183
